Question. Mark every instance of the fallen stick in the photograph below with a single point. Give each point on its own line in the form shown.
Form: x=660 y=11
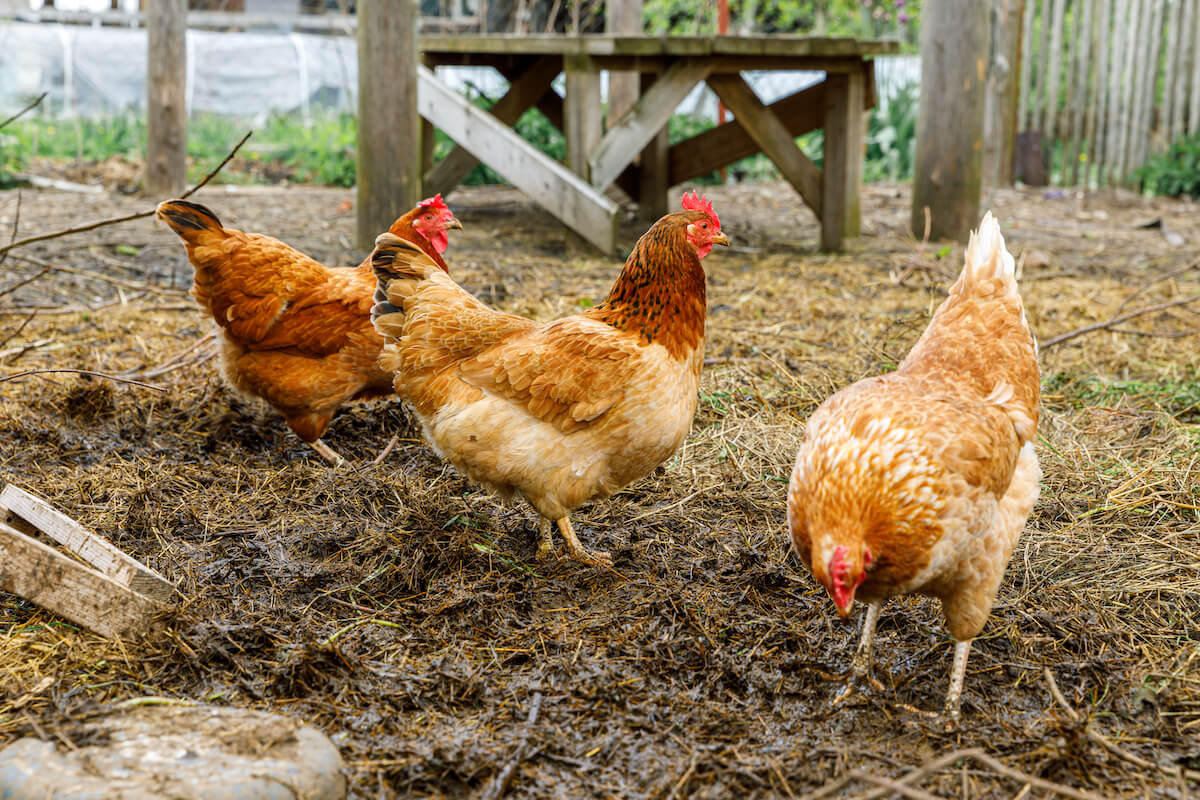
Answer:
x=1103 y=741
x=1063 y=337
x=97 y=276
x=171 y=362
x=106 y=376
x=504 y=777
x=25 y=110
x=128 y=217
x=379 y=458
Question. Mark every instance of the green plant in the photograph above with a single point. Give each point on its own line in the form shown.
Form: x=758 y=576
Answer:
x=892 y=138
x=1175 y=172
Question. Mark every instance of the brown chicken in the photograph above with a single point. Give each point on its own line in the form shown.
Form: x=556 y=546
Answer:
x=559 y=413
x=921 y=481
x=294 y=332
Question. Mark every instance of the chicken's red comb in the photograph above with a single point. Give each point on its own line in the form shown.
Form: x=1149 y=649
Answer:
x=434 y=203
x=700 y=203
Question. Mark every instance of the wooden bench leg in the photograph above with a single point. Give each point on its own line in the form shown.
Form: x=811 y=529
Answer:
x=583 y=116
x=652 y=177
x=841 y=182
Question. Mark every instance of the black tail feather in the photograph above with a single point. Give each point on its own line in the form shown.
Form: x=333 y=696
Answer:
x=183 y=216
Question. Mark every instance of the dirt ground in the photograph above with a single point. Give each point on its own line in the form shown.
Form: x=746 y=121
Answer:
x=400 y=609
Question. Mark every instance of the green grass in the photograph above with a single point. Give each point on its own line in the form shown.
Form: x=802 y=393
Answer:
x=324 y=151
x=1177 y=398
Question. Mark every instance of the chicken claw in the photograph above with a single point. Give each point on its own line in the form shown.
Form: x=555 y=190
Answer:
x=545 y=547
x=328 y=453
x=575 y=548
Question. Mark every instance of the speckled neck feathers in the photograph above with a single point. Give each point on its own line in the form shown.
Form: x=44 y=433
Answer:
x=660 y=293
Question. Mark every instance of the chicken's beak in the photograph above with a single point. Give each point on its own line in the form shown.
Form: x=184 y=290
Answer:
x=721 y=238
x=454 y=223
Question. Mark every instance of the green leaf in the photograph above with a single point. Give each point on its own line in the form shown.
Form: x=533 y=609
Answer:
x=127 y=250
x=943 y=251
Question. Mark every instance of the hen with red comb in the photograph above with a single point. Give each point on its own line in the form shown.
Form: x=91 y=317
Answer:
x=563 y=413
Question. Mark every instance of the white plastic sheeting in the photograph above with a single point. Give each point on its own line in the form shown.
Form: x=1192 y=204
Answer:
x=101 y=72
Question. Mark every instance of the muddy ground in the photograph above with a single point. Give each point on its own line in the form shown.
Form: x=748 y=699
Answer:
x=401 y=610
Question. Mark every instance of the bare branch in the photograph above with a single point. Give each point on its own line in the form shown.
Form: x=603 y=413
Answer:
x=128 y=217
x=25 y=110
x=1099 y=326
x=106 y=376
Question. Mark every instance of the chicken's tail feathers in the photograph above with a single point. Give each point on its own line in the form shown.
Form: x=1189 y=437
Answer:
x=987 y=257
x=188 y=219
x=399 y=265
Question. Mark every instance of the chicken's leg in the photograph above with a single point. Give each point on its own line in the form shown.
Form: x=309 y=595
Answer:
x=327 y=453
x=545 y=548
x=958 y=675
x=862 y=656
x=577 y=551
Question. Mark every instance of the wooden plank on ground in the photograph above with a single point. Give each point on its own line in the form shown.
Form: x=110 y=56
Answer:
x=771 y=135
x=523 y=93
x=19 y=506
x=63 y=586
x=841 y=182
x=642 y=123
x=554 y=187
x=717 y=147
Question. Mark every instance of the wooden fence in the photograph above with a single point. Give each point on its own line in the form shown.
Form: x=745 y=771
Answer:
x=1108 y=83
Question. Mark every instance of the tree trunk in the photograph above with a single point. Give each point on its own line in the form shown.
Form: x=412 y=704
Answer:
x=166 y=97
x=949 y=157
x=389 y=125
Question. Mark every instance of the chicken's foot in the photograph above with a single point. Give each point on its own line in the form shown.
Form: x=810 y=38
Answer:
x=597 y=558
x=545 y=547
x=958 y=675
x=861 y=666
x=327 y=453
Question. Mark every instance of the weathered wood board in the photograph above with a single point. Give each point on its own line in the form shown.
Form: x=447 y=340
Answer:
x=71 y=590
x=554 y=187
x=20 y=506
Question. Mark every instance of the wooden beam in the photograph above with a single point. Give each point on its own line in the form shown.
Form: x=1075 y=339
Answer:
x=166 y=97
x=622 y=17
x=524 y=93
x=551 y=185
x=389 y=127
x=71 y=590
x=771 y=136
x=720 y=146
x=583 y=114
x=841 y=183
x=30 y=513
x=949 y=154
x=649 y=115
x=653 y=174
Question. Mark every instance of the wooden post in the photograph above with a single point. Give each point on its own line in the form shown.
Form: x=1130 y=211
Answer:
x=166 y=97
x=622 y=16
x=1000 y=114
x=584 y=126
x=389 y=126
x=654 y=177
x=949 y=157
x=841 y=182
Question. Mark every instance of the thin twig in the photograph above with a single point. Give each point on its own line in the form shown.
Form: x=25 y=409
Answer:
x=173 y=359
x=25 y=110
x=1063 y=337
x=16 y=226
x=1103 y=741
x=20 y=328
x=21 y=283
x=106 y=376
x=1175 y=273
x=97 y=276
x=379 y=458
x=499 y=784
x=128 y=217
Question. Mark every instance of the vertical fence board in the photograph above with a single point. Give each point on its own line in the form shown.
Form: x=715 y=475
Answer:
x=1037 y=98
x=1170 y=75
x=1183 y=59
x=1194 y=103
x=1050 y=111
x=1024 y=114
x=1099 y=113
x=1083 y=43
x=1146 y=141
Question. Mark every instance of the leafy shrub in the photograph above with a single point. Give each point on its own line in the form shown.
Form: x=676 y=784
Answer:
x=1175 y=172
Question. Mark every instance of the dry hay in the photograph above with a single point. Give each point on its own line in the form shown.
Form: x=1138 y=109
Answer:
x=400 y=609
